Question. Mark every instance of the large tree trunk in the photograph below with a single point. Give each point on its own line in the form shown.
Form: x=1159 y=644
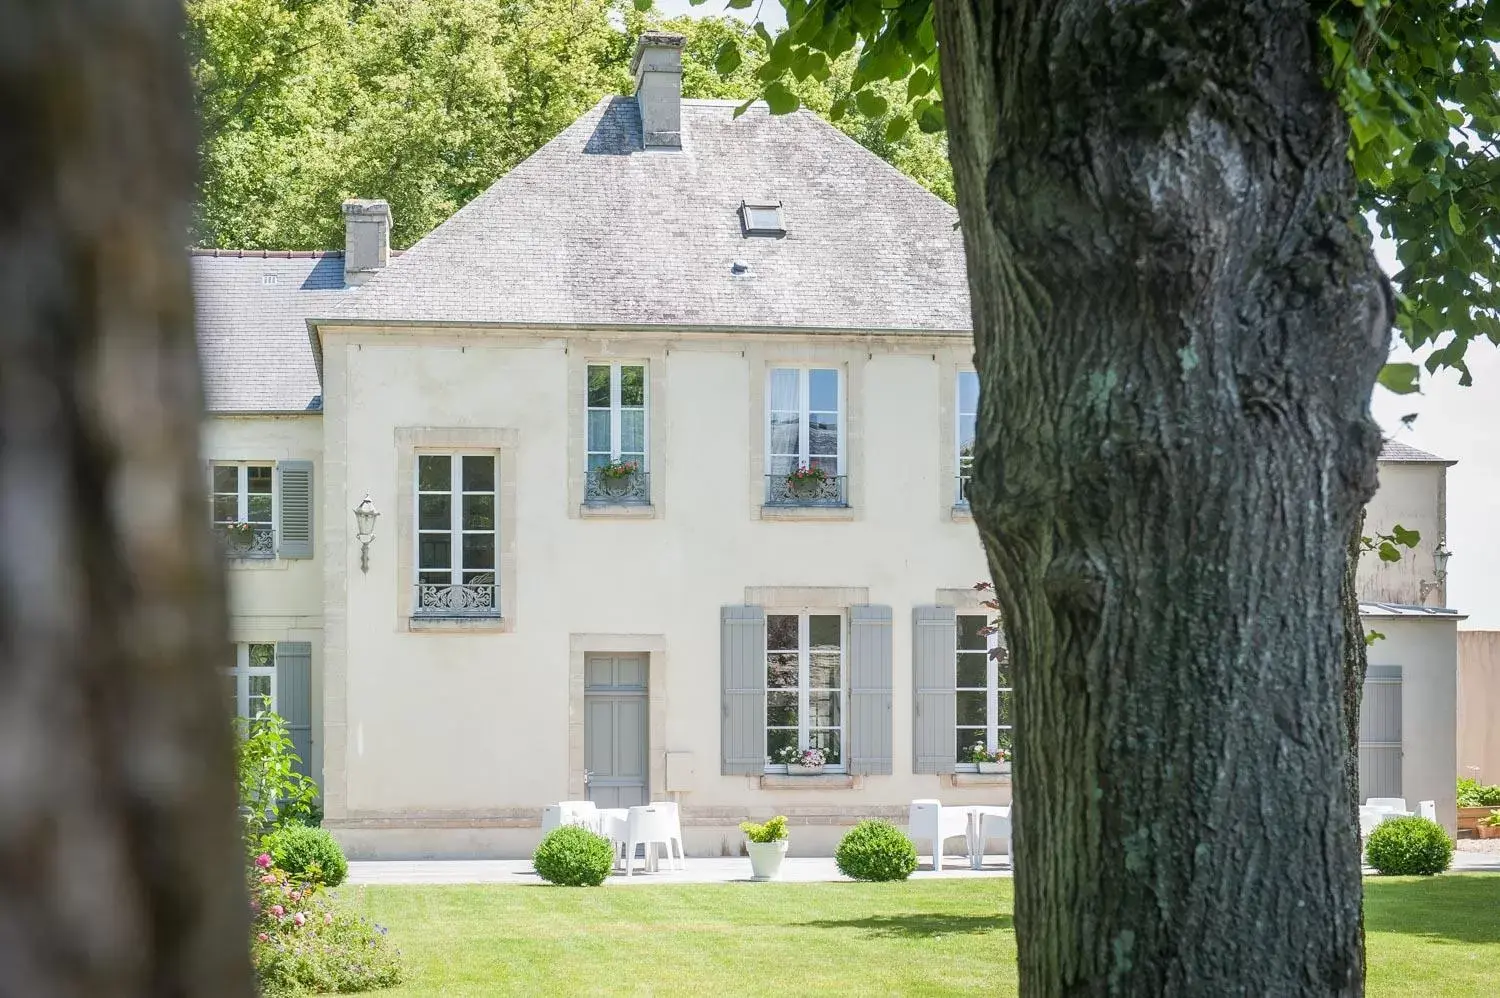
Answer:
x=1177 y=331
x=120 y=866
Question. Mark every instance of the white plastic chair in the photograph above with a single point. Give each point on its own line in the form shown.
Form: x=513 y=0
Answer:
x=1369 y=817
x=1387 y=803
x=935 y=824
x=1427 y=809
x=675 y=818
x=570 y=812
x=994 y=826
x=647 y=826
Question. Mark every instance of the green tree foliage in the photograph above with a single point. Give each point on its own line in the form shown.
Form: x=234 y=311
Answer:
x=421 y=102
x=426 y=102
x=1417 y=78
x=725 y=58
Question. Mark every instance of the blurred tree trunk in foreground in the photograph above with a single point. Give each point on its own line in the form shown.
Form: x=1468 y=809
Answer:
x=119 y=855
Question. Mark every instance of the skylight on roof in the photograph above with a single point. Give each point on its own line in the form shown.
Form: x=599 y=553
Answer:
x=762 y=219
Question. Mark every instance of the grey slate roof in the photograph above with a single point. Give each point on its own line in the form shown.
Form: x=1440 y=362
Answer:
x=1393 y=450
x=252 y=330
x=591 y=230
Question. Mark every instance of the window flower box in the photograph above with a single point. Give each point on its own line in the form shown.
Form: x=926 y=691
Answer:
x=621 y=483
x=806 y=483
x=247 y=540
x=802 y=762
x=618 y=477
x=986 y=761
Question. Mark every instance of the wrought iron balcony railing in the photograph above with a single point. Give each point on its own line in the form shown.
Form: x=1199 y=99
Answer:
x=633 y=489
x=247 y=540
x=782 y=490
x=961 y=494
x=473 y=599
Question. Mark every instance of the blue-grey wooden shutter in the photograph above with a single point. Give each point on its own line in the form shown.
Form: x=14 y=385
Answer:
x=296 y=540
x=742 y=659
x=294 y=698
x=934 y=676
x=1380 y=733
x=868 y=729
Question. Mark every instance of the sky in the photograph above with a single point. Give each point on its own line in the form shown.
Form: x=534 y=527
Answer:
x=770 y=11
x=1453 y=422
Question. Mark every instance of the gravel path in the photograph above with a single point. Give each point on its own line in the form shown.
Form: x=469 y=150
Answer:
x=1479 y=845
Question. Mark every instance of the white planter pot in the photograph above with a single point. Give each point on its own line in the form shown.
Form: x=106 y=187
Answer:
x=792 y=769
x=993 y=767
x=765 y=859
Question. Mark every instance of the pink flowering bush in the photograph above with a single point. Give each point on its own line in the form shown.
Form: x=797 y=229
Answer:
x=303 y=942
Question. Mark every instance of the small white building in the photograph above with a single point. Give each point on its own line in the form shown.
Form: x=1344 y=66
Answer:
x=577 y=407
x=1409 y=719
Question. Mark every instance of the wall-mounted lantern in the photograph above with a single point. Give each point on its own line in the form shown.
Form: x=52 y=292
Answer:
x=365 y=515
x=1439 y=572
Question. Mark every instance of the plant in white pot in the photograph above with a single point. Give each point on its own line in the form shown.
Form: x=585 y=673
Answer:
x=802 y=762
x=767 y=847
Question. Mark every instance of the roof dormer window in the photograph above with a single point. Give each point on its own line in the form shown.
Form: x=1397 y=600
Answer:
x=762 y=219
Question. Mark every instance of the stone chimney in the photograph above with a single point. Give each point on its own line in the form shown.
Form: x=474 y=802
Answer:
x=367 y=239
x=657 y=66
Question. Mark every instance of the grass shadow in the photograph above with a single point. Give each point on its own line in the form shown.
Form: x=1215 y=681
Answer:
x=923 y=925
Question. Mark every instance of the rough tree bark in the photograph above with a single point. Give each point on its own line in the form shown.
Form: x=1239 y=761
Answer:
x=120 y=866
x=1177 y=331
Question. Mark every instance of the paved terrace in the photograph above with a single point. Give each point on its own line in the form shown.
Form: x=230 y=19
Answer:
x=715 y=870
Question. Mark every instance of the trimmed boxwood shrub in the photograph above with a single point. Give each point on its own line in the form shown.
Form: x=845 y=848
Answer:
x=876 y=850
x=310 y=854
x=1409 y=846
x=571 y=856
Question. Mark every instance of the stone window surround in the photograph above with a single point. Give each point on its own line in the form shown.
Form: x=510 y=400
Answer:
x=802 y=599
x=968 y=600
x=275 y=563
x=654 y=647
x=951 y=360
x=582 y=353
x=273 y=627
x=410 y=440
x=850 y=359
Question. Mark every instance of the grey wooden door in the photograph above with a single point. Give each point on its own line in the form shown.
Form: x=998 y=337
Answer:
x=1380 y=733
x=614 y=729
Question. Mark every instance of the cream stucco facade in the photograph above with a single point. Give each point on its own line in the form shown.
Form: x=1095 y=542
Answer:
x=1403 y=601
x=1412 y=495
x=446 y=736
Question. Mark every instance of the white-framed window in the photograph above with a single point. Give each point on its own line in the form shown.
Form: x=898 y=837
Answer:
x=616 y=401
x=242 y=503
x=984 y=689
x=804 y=421
x=457 y=533
x=967 y=395
x=252 y=680
x=805 y=683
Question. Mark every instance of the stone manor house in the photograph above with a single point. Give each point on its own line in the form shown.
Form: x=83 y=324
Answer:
x=665 y=438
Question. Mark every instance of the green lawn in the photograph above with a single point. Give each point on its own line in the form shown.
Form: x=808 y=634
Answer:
x=930 y=937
